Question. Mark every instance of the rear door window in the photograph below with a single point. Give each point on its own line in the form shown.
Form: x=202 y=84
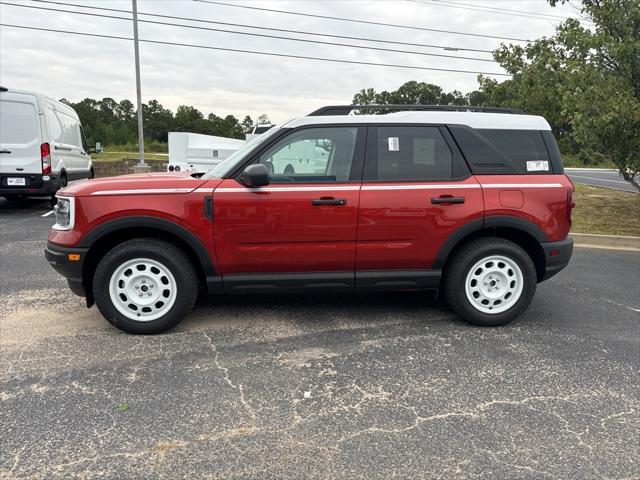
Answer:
x=408 y=153
x=18 y=122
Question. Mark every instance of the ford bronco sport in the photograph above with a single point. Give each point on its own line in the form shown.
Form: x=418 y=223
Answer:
x=472 y=201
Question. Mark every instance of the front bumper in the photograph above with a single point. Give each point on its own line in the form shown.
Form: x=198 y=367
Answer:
x=63 y=260
x=557 y=256
x=35 y=184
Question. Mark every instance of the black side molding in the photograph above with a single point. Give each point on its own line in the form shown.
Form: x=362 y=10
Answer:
x=327 y=282
x=398 y=279
x=289 y=282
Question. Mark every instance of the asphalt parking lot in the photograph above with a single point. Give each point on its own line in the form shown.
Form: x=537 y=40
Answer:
x=368 y=386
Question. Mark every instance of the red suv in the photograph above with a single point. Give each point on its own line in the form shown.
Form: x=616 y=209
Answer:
x=473 y=202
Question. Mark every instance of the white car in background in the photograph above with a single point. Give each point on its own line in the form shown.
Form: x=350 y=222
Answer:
x=42 y=145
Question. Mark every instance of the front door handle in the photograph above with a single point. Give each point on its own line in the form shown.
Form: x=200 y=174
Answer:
x=5 y=151
x=446 y=200
x=329 y=201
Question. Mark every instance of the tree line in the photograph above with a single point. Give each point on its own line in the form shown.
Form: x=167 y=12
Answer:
x=115 y=123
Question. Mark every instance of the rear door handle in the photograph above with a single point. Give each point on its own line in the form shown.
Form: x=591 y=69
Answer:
x=329 y=201
x=66 y=149
x=446 y=200
x=5 y=151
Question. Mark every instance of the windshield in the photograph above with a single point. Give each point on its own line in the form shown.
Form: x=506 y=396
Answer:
x=226 y=165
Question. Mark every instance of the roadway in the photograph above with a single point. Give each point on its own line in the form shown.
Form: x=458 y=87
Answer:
x=609 y=178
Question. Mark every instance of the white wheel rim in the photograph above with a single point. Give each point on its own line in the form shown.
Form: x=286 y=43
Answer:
x=494 y=284
x=143 y=289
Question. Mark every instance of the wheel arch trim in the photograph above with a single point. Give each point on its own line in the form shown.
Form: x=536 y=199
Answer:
x=486 y=223
x=140 y=221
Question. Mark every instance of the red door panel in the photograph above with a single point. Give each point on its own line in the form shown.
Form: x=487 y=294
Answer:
x=400 y=228
x=278 y=228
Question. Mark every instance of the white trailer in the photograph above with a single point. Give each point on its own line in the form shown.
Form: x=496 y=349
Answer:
x=194 y=152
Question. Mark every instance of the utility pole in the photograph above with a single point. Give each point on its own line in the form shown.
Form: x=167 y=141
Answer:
x=142 y=166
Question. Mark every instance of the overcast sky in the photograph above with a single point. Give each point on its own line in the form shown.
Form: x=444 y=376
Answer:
x=76 y=67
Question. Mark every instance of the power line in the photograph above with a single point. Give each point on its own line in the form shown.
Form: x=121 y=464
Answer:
x=273 y=29
x=488 y=8
x=368 y=22
x=262 y=35
x=256 y=52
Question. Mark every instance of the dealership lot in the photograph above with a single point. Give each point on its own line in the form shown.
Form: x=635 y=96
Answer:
x=368 y=386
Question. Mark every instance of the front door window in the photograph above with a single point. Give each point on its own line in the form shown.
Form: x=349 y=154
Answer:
x=312 y=155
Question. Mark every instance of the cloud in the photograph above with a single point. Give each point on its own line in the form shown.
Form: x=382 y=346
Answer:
x=224 y=83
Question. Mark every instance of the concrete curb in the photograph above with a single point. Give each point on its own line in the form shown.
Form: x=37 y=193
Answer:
x=613 y=242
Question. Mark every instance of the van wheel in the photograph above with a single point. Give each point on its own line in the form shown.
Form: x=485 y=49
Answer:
x=289 y=170
x=490 y=282
x=61 y=184
x=145 y=286
x=92 y=174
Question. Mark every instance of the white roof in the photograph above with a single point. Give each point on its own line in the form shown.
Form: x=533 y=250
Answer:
x=479 y=120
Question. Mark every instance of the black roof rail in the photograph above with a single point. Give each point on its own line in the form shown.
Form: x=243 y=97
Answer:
x=347 y=109
x=3 y=89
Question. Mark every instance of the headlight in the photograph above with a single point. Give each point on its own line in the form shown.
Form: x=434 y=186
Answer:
x=64 y=212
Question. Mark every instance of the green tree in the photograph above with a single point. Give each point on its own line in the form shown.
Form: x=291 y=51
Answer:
x=247 y=124
x=263 y=119
x=585 y=81
x=190 y=119
x=411 y=92
x=158 y=121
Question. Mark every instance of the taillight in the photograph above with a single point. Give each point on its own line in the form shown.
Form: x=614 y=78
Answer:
x=45 y=156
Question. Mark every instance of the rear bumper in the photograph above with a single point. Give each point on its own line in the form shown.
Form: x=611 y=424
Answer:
x=58 y=258
x=557 y=256
x=35 y=184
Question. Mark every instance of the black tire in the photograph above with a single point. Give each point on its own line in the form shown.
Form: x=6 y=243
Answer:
x=61 y=184
x=465 y=259
x=92 y=173
x=171 y=258
x=289 y=170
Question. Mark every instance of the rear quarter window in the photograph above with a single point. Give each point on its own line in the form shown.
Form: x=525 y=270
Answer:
x=18 y=122
x=493 y=151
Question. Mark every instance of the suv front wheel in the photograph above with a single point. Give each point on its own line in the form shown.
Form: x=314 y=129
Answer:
x=490 y=281
x=145 y=286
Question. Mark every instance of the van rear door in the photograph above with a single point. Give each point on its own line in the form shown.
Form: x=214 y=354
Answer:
x=20 y=134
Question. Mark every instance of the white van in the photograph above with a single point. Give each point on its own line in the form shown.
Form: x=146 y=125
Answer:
x=42 y=145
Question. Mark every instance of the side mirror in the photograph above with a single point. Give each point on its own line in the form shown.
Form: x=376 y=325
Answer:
x=255 y=175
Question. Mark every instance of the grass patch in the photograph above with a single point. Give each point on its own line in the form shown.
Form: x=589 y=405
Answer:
x=119 y=156
x=605 y=211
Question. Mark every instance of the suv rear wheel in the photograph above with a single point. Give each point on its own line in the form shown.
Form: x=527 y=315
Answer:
x=490 y=281
x=145 y=286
